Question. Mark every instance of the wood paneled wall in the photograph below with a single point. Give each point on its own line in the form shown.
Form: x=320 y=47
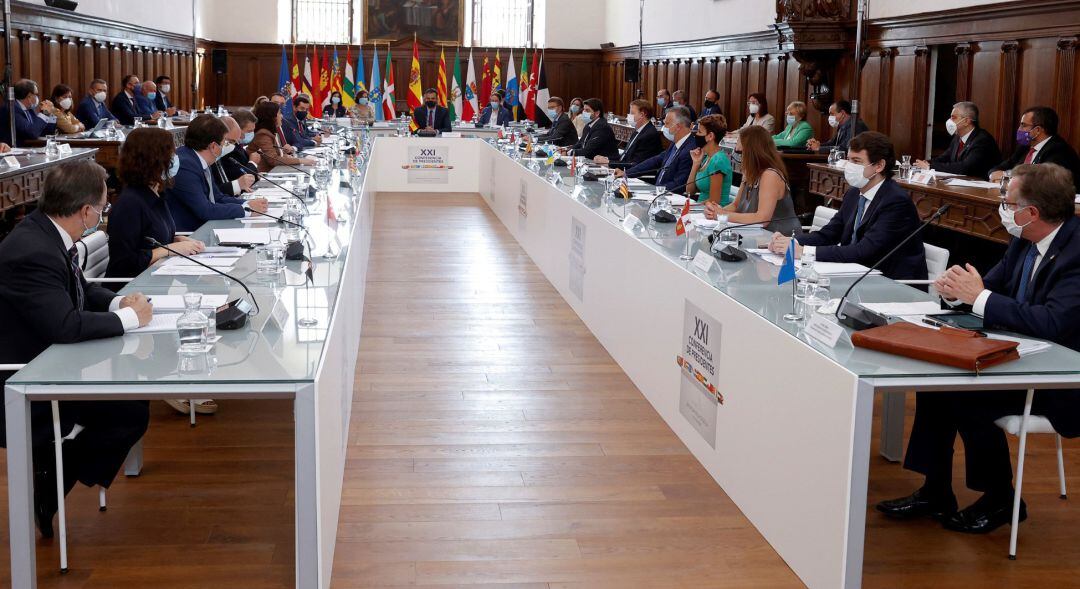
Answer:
x=1009 y=56
x=53 y=46
x=253 y=69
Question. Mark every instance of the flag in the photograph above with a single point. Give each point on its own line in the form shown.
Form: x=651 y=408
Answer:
x=326 y=82
x=511 y=99
x=523 y=85
x=317 y=76
x=331 y=216
x=530 y=107
x=337 y=83
x=297 y=80
x=440 y=84
x=485 y=83
x=454 y=99
x=285 y=81
x=684 y=217
x=496 y=73
x=389 y=110
x=348 y=86
x=787 y=270
x=624 y=189
x=468 y=101
x=414 y=96
x=375 y=94
x=305 y=82
x=360 y=83
x=542 y=95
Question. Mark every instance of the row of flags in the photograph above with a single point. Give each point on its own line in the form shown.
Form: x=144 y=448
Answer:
x=319 y=78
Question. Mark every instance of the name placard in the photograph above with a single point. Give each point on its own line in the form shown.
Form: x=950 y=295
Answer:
x=65 y=148
x=823 y=330
x=12 y=162
x=704 y=261
x=921 y=177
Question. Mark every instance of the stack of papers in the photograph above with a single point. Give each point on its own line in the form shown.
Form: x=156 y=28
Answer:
x=175 y=303
x=216 y=251
x=216 y=262
x=1027 y=346
x=254 y=236
x=921 y=308
x=957 y=182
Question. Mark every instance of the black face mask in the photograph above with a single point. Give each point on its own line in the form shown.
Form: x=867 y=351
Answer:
x=709 y=104
x=301 y=114
x=700 y=140
x=430 y=104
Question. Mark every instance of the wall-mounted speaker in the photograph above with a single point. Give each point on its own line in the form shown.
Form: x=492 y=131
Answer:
x=62 y=4
x=219 y=61
x=608 y=45
x=633 y=71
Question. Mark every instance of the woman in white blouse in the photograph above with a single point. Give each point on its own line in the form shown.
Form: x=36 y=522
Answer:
x=758 y=107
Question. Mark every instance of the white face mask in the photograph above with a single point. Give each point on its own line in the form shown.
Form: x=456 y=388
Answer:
x=855 y=174
x=630 y=118
x=100 y=97
x=65 y=103
x=790 y=119
x=950 y=126
x=832 y=121
x=586 y=116
x=753 y=108
x=165 y=88
x=668 y=134
x=1008 y=221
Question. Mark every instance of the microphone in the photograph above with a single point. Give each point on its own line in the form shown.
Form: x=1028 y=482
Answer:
x=294 y=250
x=231 y=315
x=730 y=253
x=303 y=203
x=859 y=317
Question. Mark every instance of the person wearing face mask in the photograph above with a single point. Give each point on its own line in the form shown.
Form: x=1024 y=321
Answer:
x=758 y=107
x=362 y=111
x=1038 y=143
x=267 y=142
x=840 y=119
x=230 y=184
x=596 y=138
x=45 y=300
x=503 y=115
x=711 y=106
x=1033 y=291
x=194 y=198
x=144 y=102
x=663 y=102
x=124 y=105
x=678 y=98
x=796 y=130
x=972 y=150
x=671 y=167
x=336 y=108
x=239 y=162
x=33 y=117
x=875 y=216
x=710 y=176
x=66 y=121
x=162 y=101
x=431 y=116
x=644 y=142
x=296 y=133
x=765 y=194
x=562 y=132
x=92 y=107
x=576 y=105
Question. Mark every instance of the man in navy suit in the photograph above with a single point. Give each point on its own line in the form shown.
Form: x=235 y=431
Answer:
x=562 y=132
x=92 y=107
x=711 y=105
x=644 y=142
x=144 y=102
x=972 y=151
x=875 y=216
x=671 y=166
x=162 y=102
x=1033 y=291
x=678 y=98
x=504 y=115
x=431 y=115
x=846 y=127
x=33 y=116
x=296 y=133
x=124 y=107
x=597 y=138
x=194 y=198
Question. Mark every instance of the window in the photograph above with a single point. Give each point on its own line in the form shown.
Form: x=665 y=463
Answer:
x=502 y=23
x=322 y=21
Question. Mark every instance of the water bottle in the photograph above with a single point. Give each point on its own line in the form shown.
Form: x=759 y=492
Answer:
x=192 y=325
x=806 y=279
x=1003 y=186
x=905 y=167
x=821 y=294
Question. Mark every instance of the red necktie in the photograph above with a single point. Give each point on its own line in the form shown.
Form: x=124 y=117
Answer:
x=960 y=148
x=1030 y=156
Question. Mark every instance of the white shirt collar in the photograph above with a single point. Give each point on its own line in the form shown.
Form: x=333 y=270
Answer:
x=642 y=126
x=63 y=235
x=1044 y=244
x=869 y=194
x=679 y=143
x=1038 y=146
x=966 y=136
x=205 y=165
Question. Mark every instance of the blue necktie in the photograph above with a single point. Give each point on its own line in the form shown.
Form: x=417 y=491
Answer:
x=1025 y=273
x=671 y=156
x=858 y=218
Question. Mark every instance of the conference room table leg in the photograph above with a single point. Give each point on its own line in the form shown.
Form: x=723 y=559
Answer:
x=308 y=564
x=892 y=426
x=20 y=470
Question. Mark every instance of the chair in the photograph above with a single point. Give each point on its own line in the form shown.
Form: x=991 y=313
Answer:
x=822 y=216
x=1021 y=426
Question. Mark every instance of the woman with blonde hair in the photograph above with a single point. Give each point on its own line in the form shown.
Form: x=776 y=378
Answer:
x=797 y=131
x=764 y=196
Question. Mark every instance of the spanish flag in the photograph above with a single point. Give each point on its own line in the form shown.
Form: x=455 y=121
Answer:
x=415 y=96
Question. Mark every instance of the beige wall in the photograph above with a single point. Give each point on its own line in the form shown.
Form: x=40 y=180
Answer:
x=889 y=8
x=166 y=15
x=682 y=20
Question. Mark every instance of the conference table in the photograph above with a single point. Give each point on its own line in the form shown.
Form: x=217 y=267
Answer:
x=108 y=150
x=778 y=418
x=21 y=184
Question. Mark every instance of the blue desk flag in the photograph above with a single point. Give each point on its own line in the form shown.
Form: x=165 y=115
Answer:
x=787 y=271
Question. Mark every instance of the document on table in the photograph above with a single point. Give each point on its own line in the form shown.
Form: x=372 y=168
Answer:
x=675 y=199
x=822 y=268
x=637 y=183
x=251 y=235
x=698 y=220
x=184 y=271
x=215 y=262
x=938 y=174
x=921 y=308
x=159 y=323
x=1027 y=346
x=175 y=303
x=217 y=251
x=957 y=182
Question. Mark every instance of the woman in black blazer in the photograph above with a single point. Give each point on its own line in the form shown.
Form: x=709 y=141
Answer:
x=336 y=108
x=147 y=164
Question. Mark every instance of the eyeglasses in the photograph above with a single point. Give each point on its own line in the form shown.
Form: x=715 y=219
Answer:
x=1012 y=206
x=104 y=210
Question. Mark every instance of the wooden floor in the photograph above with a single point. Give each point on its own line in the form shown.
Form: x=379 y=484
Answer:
x=494 y=443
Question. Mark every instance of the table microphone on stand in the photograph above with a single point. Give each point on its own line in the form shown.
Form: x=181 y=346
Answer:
x=294 y=250
x=231 y=315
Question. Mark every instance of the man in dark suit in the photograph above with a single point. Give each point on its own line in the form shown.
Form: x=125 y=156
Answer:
x=1033 y=291
x=92 y=107
x=678 y=98
x=663 y=102
x=846 y=128
x=124 y=106
x=193 y=198
x=144 y=102
x=644 y=143
x=972 y=151
x=432 y=116
x=162 y=102
x=711 y=105
x=562 y=132
x=239 y=162
x=296 y=133
x=875 y=216
x=1039 y=143
x=597 y=138
x=44 y=300
x=672 y=166
x=503 y=116
x=226 y=182
x=33 y=117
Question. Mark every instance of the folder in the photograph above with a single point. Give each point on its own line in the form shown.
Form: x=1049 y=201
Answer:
x=952 y=347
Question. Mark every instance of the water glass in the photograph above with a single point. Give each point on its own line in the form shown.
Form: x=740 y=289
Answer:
x=728 y=237
x=52 y=150
x=265 y=261
x=1003 y=187
x=278 y=249
x=820 y=295
x=138 y=122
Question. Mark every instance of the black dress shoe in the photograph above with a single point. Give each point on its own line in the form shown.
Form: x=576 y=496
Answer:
x=44 y=502
x=919 y=504
x=985 y=515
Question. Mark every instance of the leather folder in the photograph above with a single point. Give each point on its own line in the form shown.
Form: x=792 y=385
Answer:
x=952 y=347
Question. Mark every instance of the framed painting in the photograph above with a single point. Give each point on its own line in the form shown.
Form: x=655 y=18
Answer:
x=437 y=21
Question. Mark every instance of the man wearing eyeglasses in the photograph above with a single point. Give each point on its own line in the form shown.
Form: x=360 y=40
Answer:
x=1038 y=143
x=1034 y=291
x=194 y=198
x=34 y=117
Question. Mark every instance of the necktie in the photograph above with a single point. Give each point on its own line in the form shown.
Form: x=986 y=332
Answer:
x=210 y=185
x=1030 y=155
x=667 y=162
x=1025 y=273
x=858 y=218
x=431 y=118
x=633 y=136
x=959 y=148
x=73 y=259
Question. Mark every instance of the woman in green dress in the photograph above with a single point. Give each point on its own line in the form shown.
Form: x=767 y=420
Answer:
x=797 y=131
x=710 y=177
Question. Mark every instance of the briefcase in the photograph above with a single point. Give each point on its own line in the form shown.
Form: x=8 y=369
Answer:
x=960 y=348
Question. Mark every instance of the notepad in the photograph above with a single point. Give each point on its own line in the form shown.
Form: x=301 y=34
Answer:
x=175 y=303
x=159 y=323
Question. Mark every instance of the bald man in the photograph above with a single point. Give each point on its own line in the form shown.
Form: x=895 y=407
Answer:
x=238 y=182
x=144 y=102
